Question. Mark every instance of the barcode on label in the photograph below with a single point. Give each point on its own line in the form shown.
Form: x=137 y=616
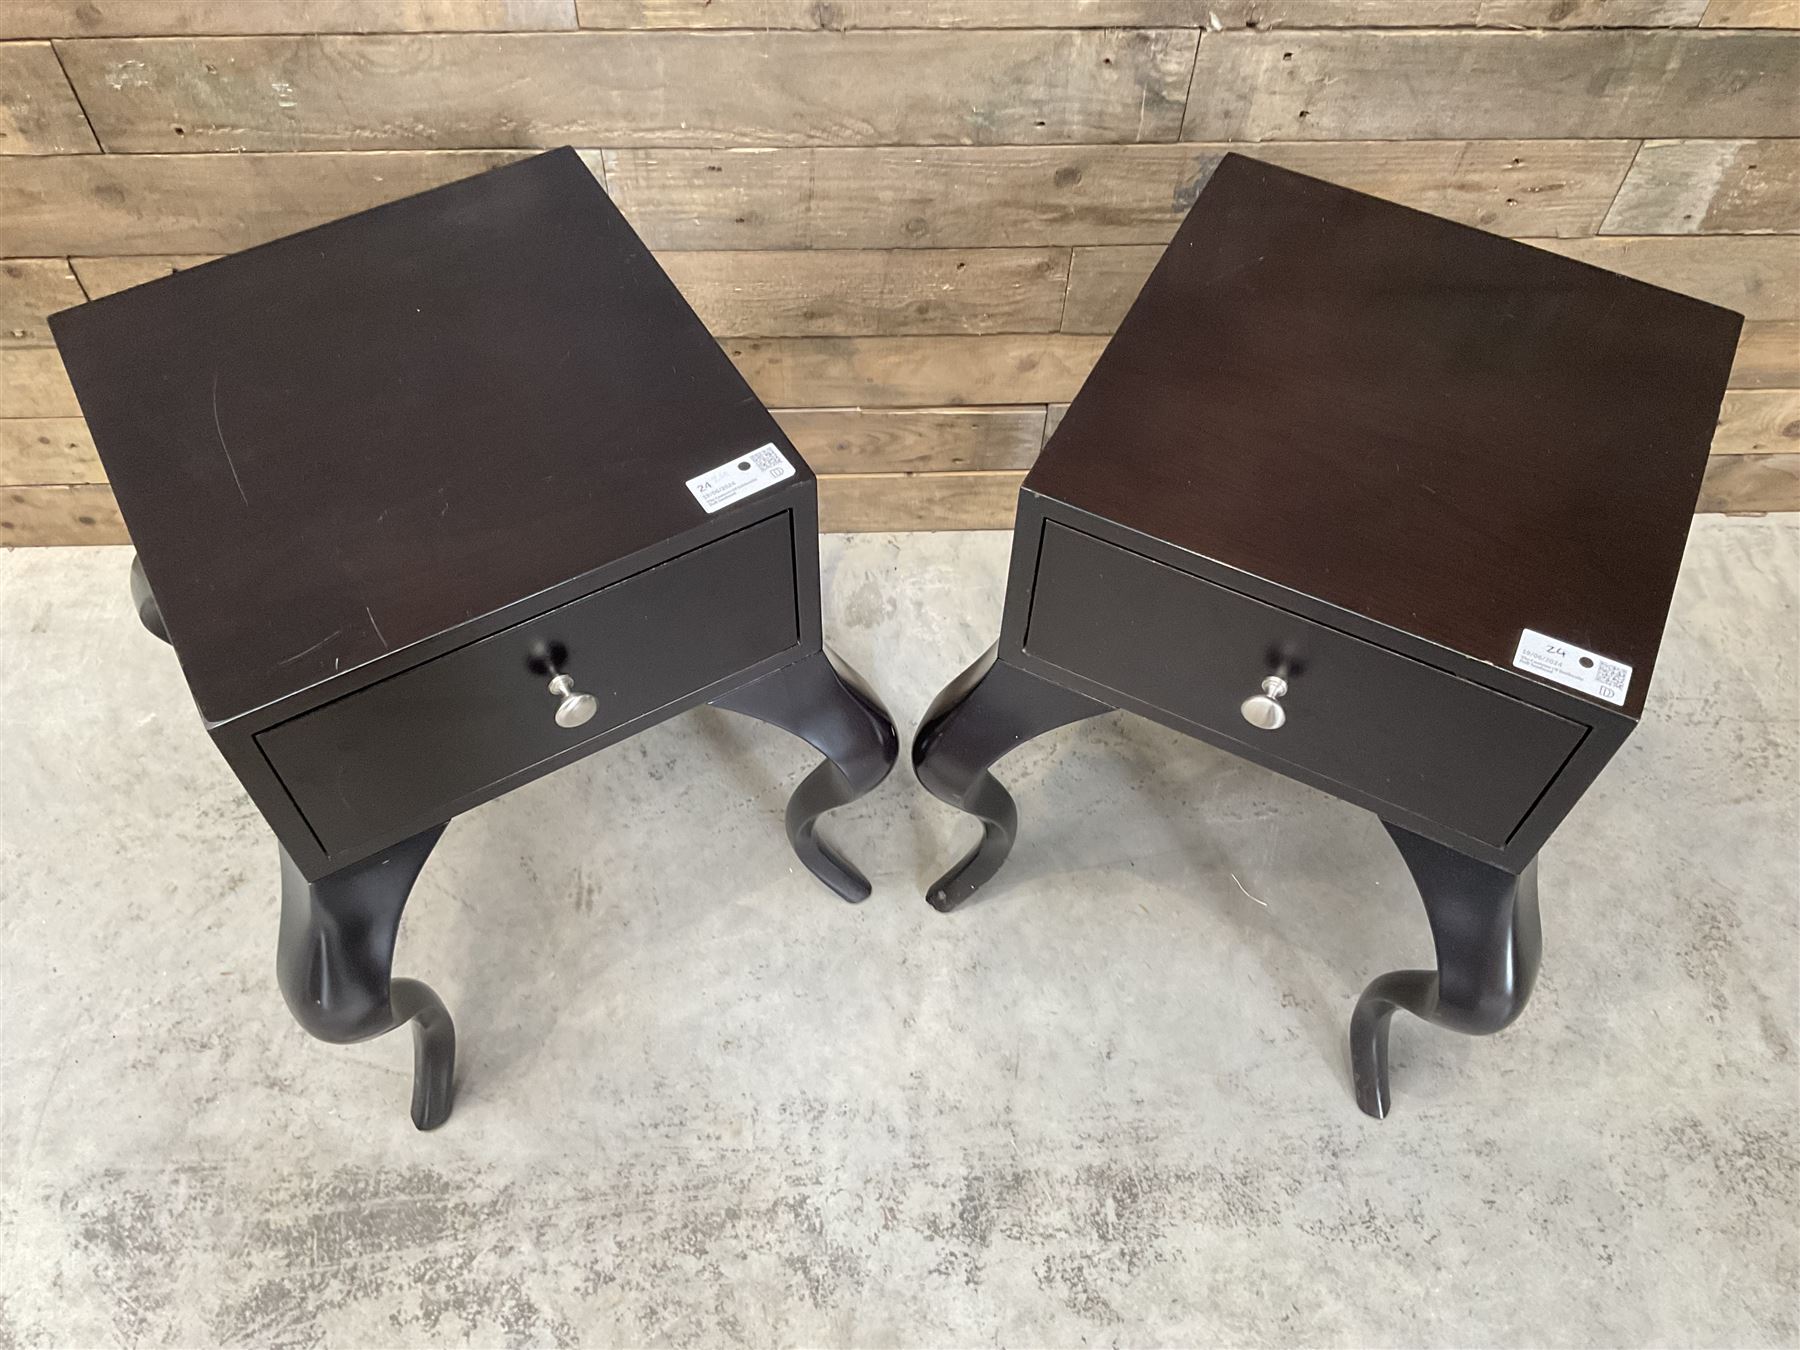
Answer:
x=1572 y=666
x=737 y=478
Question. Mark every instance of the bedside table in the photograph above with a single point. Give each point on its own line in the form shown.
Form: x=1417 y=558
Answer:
x=437 y=499
x=1383 y=503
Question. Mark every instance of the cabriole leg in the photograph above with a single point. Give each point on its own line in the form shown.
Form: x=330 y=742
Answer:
x=989 y=709
x=826 y=704
x=1484 y=924
x=336 y=959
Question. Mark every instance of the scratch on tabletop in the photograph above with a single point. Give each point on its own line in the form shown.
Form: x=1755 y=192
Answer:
x=229 y=461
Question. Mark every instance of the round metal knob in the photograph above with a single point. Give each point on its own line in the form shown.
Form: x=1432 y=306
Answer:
x=575 y=708
x=1264 y=711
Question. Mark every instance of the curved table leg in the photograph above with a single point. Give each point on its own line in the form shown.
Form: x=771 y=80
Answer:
x=989 y=709
x=822 y=701
x=148 y=612
x=1484 y=924
x=336 y=958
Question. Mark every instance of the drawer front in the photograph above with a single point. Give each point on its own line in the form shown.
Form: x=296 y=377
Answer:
x=1378 y=723
x=400 y=753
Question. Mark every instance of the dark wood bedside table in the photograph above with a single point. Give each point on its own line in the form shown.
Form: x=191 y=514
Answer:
x=433 y=501
x=1384 y=503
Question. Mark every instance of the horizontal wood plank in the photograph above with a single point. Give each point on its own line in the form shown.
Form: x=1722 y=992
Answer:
x=166 y=18
x=1759 y=422
x=47 y=450
x=915 y=372
x=33 y=384
x=1752 y=14
x=947 y=198
x=1319 y=85
x=1710 y=187
x=911 y=440
x=487 y=90
x=918 y=501
x=1746 y=483
x=31 y=288
x=1757 y=276
x=1768 y=356
x=80 y=514
x=39 y=114
x=843 y=15
x=112 y=204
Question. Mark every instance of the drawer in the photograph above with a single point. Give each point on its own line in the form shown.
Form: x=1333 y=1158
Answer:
x=1381 y=725
x=410 y=750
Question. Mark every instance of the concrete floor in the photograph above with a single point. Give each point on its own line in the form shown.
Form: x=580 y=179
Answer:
x=704 y=1101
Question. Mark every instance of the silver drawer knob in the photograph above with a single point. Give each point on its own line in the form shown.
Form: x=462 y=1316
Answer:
x=575 y=708
x=1264 y=711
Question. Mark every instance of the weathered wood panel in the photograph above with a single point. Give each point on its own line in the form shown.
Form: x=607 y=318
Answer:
x=915 y=372
x=39 y=114
x=853 y=293
x=687 y=89
x=827 y=293
x=32 y=384
x=842 y=15
x=1768 y=357
x=1319 y=85
x=1752 y=14
x=47 y=450
x=1710 y=187
x=1751 y=483
x=946 y=198
x=158 y=18
x=109 y=204
x=919 y=501
x=31 y=288
x=1759 y=422
x=83 y=514
x=1757 y=276
x=910 y=440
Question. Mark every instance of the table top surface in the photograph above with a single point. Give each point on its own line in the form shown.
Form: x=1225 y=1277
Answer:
x=1450 y=433
x=356 y=438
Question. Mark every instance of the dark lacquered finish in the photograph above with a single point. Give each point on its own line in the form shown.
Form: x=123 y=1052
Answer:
x=1359 y=449
x=390 y=476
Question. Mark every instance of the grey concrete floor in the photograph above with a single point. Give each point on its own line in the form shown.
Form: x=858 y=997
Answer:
x=703 y=1101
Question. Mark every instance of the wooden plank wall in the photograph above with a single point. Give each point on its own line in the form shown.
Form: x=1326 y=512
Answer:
x=911 y=222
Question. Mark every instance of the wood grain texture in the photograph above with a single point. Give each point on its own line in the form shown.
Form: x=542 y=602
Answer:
x=1751 y=483
x=1710 y=187
x=899 y=198
x=1752 y=14
x=80 y=514
x=1757 y=276
x=915 y=372
x=635 y=89
x=39 y=114
x=1768 y=356
x=1320 y=85
x=1759 y=422
x=911 y=440
x=110 y=204
x=30 y=288
x=32 y=384
x=160 y=18
x=841 y=15
x=918 y=501
x=824 y=293
x=855 y=293
x=47 y=450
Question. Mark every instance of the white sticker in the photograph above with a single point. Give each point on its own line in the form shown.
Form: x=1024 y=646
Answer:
x=736 y=479
x=1573 y=666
